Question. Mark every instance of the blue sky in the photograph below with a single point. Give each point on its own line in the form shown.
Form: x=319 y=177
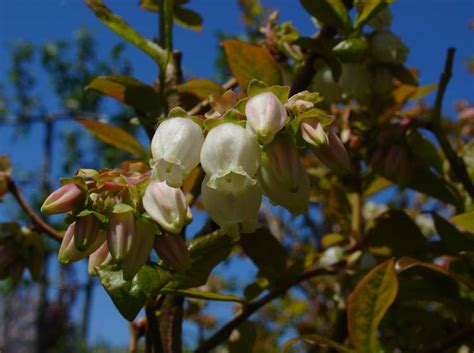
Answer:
x=428 y=27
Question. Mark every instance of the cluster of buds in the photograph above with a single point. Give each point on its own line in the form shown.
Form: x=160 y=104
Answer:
x=247 y=149
x=110 y=217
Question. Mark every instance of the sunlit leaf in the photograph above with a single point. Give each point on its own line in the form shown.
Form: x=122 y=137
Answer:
x=123 y=29
x=318 y=341
x=370 y=8
x=247 y=62
x=140 y=96
x=368 y=304
x=330 y=12
x=379 y=184
x=114 y=136
x=465 y=221
x=201 y=88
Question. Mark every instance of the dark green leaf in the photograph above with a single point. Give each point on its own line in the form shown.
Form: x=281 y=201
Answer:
x=188 y=18
x=267 y=253
x=140 y=96
x=397 y=231
x=367 y=305
x=452 y=239
x=245 y=340
x=369 y=10
x=329 y=12
x=130 y=296
x=114 y=136
x=198 y=294
x=351 y=49
x=247 y=62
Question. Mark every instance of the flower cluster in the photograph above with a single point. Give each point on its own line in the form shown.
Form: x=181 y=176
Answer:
x=247 y=149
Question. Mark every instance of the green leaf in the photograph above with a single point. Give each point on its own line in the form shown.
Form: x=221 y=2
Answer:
x=465 y=221
x=245 y=340
x=140 y=96
x=404 y=263
x=453 y=240
x=424 y=151
x=267 y=253
x=206 y=252
x=256 y=87
x=123 y=29
x=201 y=88
x=130 y=296
x=184 y=17
x=351 y=49
x=114 y=136
x=397 y=231
x=247 y=62
x=329 y=12
x=368 y=304
x=318 y=341
x=198 y=294
x=369 y=10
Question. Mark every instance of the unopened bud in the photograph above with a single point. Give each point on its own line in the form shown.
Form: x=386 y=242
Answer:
x=166 y=205
x=172 y=249
x=283 y=177
x=99 y=257
x=314 y=134
x=351 y=49
x=64 y=199
x=120 y=233
x=142 y=245
x=86 y=231
x=333 y=155
x=69 y=253
x=265 y=116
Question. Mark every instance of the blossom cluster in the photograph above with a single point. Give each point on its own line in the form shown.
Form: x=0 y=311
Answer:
x=118 y=216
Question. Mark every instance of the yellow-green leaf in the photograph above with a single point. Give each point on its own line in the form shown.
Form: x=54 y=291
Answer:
x=201 y=88
x=247 y=62
x=367 y=305
x=142 y=97
x=123 y=29
x=198 y=294
x=369 y=10
x=114 y=136
x=465 y=221
x=316 y=340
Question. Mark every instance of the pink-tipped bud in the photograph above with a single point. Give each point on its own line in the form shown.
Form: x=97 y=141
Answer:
x=173 y=251
x=86 y=231
x=327 y=147
x=69 y=253
x=120 y=234
x=64 y=199
x=99 y=257
x=142 y=245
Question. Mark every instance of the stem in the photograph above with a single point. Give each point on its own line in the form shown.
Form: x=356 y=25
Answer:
x=39 y=224
x=456 y=163
x=224 y=333
x=356 y=201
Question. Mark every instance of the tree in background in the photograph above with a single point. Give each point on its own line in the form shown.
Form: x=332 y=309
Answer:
x=363 y=242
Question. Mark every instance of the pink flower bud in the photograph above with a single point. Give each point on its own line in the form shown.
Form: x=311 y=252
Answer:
x=69 y=253
x=86 y=231
x=120 y=233
x=64 y=199
x=327 y=147
x=166 y=205
x=265 y=116
x=142 y=245
x=172 y=249
x=99 y=257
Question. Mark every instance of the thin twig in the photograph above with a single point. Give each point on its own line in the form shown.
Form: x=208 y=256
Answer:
x=221 y=335
x=39 y=224
x=456 y=163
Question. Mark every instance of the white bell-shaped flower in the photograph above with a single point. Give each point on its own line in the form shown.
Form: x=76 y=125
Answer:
x=166 y=205
x=233 y=213
x=175 y=147
x=231 y=157
x=283 y=177
x=265 y=116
